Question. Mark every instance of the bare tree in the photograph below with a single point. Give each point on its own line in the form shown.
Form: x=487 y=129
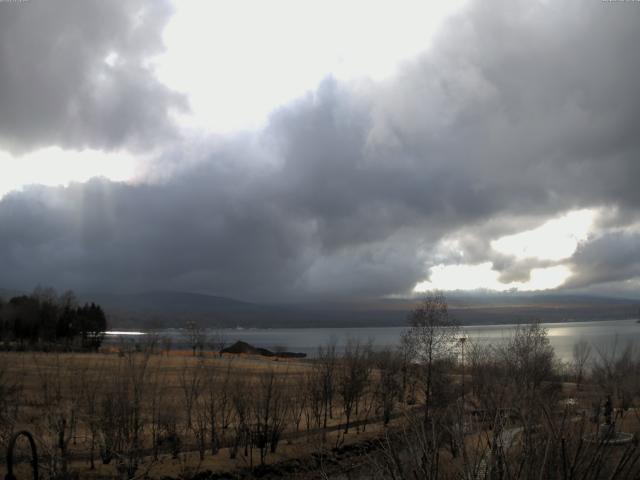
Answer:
x=410 y=452
x=490 y=386
x=269 y=412
x=298 y=393
x=225 y=401
x=196 y=336
x=191 y=385
x=151 y=342
x=615 y=370
x=529 y=357
x=201 y=423
x=157 y=406
x=408 y=383
x=581 y=356
x=316 y=395
x=218 y=341
x=122 y=417
x=529 y=360
x=169 y=428
x=241 y=408
x=353 y=375
x=326 y=365
x=10 y=390
x=59 y=402
x=167 y=343
x=215 y=406
x=388 y=365
x=90 y=391
x=431 y=338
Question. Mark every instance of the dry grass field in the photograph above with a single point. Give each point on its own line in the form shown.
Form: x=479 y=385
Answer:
x=143 y=413
x=167 y=414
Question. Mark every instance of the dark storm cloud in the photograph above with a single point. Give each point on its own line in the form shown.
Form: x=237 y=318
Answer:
x=104 y=235
x=55 y=87
x=611 y=258
x=518 y=113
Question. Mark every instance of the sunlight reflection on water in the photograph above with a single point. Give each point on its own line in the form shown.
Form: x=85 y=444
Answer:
x=601 y=334
x=123 y=333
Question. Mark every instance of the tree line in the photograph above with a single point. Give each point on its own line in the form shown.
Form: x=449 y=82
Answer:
x=44 y=320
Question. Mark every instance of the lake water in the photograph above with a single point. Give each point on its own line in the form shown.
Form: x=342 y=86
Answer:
x=601 y=334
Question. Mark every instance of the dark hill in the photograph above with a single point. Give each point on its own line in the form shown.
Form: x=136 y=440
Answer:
x=173 y=301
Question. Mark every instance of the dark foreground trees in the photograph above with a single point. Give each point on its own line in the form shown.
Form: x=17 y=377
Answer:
x=44 y=318
x=516 y=423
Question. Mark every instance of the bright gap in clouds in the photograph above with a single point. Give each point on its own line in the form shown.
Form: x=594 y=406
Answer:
x=239 y=60
x=555 y=240
x=54 y=166
x=482 y=276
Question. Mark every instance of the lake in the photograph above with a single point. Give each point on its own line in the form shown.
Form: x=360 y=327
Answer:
x=601 y=335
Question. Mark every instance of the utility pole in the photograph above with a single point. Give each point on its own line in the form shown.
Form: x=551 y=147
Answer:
x=462 y=342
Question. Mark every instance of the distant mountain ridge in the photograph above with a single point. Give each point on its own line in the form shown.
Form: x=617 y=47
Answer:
x=160 y=309
x=157 y=309
x=163 y=300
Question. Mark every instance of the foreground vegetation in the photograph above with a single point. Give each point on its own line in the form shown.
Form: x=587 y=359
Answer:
x=438 y=406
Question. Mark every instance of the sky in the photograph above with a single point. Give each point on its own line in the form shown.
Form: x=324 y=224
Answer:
x=303 y=150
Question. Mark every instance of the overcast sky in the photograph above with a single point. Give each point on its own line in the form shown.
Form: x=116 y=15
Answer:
x=289 y=150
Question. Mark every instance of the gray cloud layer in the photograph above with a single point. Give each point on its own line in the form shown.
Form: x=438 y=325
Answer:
x=55 y=87
x=519 y=112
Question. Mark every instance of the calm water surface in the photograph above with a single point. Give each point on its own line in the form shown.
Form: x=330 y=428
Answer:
x=602 y=335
